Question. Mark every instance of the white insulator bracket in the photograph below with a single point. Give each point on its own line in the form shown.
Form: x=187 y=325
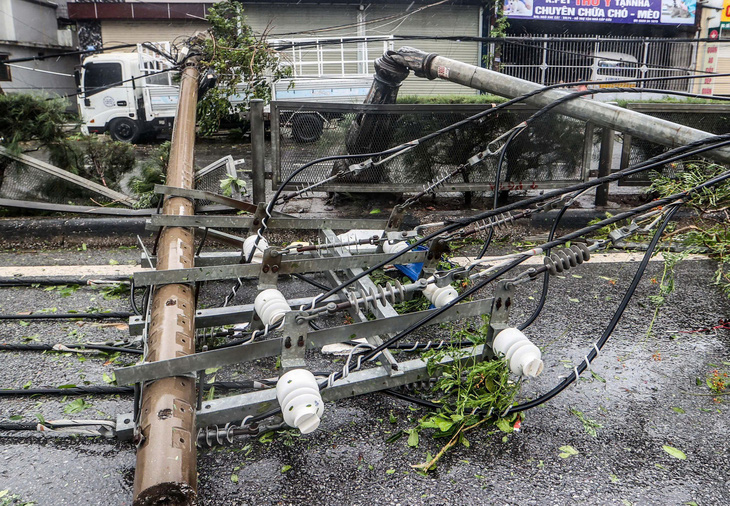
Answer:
x=396 y=247
x=523 y=357
x=271 y=306
x=258 y=255
x=301 y=403
x=440 y=296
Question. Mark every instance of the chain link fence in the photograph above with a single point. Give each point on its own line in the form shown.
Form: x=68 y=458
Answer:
x=712 y=118
x=20 y=181
x=549 y=154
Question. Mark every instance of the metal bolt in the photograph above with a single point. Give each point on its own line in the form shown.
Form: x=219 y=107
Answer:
x=300 y=342
x=265 y=268
x=404 y=234
x=274 y=268
x=287 y=343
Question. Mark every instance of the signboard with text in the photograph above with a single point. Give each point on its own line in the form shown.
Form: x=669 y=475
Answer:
x=653 y=12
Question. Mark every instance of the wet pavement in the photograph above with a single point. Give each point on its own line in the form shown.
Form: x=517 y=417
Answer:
x=647 y=392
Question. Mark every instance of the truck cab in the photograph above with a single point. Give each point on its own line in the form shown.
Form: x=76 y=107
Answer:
x=125 y=95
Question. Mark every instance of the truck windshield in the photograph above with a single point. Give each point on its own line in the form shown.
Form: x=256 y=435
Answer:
x=101 y=75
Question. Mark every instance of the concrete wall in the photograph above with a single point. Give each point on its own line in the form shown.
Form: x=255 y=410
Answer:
x=38 y=83
x=35 y=22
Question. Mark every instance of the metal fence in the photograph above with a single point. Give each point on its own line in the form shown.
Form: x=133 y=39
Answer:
x=552 y=60
x=548 y=155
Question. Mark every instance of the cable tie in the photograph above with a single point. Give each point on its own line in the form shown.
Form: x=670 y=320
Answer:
x=588 y=363
x=577 y=376
x=598 y=350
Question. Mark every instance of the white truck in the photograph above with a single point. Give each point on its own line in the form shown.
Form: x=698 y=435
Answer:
x=127 y=95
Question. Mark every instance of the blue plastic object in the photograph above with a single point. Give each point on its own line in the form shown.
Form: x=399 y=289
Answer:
x=412 y=270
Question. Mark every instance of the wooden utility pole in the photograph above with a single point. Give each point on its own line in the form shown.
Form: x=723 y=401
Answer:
x=166 y=456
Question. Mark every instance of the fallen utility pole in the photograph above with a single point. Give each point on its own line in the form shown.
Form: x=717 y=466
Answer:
x=166 y=455
x=433 y=66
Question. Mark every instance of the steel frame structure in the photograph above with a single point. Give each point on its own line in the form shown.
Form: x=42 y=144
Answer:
x=294 y=337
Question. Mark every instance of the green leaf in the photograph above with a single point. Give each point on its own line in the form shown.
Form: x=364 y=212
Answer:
x=390 y=471
x=412 y=438
x=67 y=385
x=3 y=493
x=285 y=468
x=109 y=379
x=15 y=418
x=113 y=262
x=505 y=426
x=392 y=418
x=27 y=385
x=76 y=406
x=677 y=454
x=567 y=451
x=234 y=478
x=573 y=300
x=596 y=376
x=211 y=370
x=23 y=323
x=613 y=478
x=376 y=211
x=678 y=410
x=395 y=437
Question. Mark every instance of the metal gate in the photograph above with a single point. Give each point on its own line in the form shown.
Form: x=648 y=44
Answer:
x=552 y=60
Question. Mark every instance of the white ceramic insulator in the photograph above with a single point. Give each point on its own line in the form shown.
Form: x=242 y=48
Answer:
x=440 y=296
x=271 y=306
x=523 y=357
x=359 y=235
x=301 y=403
x=258 y=255
x=396 y=247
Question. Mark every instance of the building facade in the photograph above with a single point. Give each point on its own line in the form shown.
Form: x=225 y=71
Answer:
x=30 y=28
x=109 y=23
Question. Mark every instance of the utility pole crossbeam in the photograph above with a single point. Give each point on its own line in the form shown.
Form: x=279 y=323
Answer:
x=166 y=454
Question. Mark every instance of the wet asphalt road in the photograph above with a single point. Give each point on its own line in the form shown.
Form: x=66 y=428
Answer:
x=648 y=396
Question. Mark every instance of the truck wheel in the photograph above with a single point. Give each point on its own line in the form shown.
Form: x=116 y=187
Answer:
x=124 y=130
x=306 y=127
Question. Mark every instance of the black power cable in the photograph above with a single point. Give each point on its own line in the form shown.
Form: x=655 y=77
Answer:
x=112 y=390
x=74 y=346
x=557 y=242
x=114 y=315
x=611 y=325
x=48 y=281
x=457 y=224
x=546 y=276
